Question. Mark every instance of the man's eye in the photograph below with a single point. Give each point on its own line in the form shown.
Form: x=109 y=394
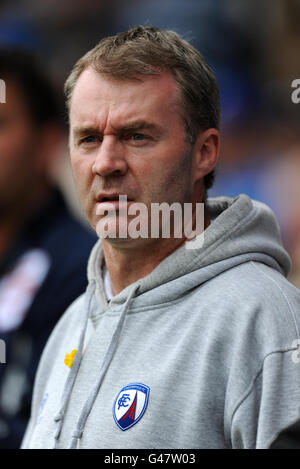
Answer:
x=138 y=136
x=89 y=139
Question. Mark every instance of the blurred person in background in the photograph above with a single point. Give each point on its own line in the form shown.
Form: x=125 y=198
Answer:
x=43 y=249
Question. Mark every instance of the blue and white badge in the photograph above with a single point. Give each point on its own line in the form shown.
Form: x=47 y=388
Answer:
x=130 y=405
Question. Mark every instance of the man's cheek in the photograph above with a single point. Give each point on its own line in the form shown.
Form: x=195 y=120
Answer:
x=78 y=174
x=82 y=189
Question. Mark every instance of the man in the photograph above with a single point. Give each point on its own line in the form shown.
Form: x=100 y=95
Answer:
x=178 y=342
x=43 y=249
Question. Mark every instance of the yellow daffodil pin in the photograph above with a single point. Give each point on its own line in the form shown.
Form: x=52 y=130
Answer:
x=69 y=358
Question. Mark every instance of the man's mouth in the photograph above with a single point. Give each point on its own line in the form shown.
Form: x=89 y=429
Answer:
x=109 y=199
x=113 y=197
x=113 y=201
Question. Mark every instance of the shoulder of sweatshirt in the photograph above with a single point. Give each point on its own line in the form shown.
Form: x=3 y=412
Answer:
x=258 y=301
x=282 y=297
x=254 y=325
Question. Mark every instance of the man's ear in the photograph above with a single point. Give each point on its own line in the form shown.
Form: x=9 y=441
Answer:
x=205 y=153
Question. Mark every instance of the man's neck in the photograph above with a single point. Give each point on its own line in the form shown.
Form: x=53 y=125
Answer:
x=126 y=264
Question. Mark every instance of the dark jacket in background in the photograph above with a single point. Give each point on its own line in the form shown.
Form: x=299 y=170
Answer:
x=67 y=244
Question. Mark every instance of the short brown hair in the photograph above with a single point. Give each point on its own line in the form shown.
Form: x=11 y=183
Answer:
x=147 y=50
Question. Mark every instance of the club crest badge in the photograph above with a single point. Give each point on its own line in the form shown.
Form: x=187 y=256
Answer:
x=130 y=405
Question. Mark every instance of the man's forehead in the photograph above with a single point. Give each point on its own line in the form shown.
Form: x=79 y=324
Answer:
x=95 y=93
x=90 y=75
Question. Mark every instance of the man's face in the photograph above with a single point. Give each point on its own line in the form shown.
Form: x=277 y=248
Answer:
x=18 y=151
x=128 y=137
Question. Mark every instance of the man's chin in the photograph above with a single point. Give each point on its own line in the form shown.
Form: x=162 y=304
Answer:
x=127 y=243
x=113 y=233
x=119 y=236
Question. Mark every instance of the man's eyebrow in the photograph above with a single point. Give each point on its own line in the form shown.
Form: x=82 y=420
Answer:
x=137 y=125
x=79 y=131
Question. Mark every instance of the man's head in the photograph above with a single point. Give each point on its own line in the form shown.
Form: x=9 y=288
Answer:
x=29 y=129
x=145 y=51
x=152 y=76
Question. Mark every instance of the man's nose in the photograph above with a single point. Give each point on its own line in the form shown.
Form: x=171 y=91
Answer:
x=110 y=158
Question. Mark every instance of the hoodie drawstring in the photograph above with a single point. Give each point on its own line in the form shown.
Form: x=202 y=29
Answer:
x=75 y=366
x=77 y=434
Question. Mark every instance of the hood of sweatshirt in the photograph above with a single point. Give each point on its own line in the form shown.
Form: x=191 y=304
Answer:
x=241 y=230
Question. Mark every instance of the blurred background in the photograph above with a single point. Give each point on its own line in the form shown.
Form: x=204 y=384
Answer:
x=253 y=47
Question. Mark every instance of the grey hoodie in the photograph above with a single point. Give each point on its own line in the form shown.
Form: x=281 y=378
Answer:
x=200 y=353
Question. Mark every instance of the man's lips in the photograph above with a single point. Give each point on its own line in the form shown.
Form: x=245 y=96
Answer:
x=104 y=197
x=116 y=202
